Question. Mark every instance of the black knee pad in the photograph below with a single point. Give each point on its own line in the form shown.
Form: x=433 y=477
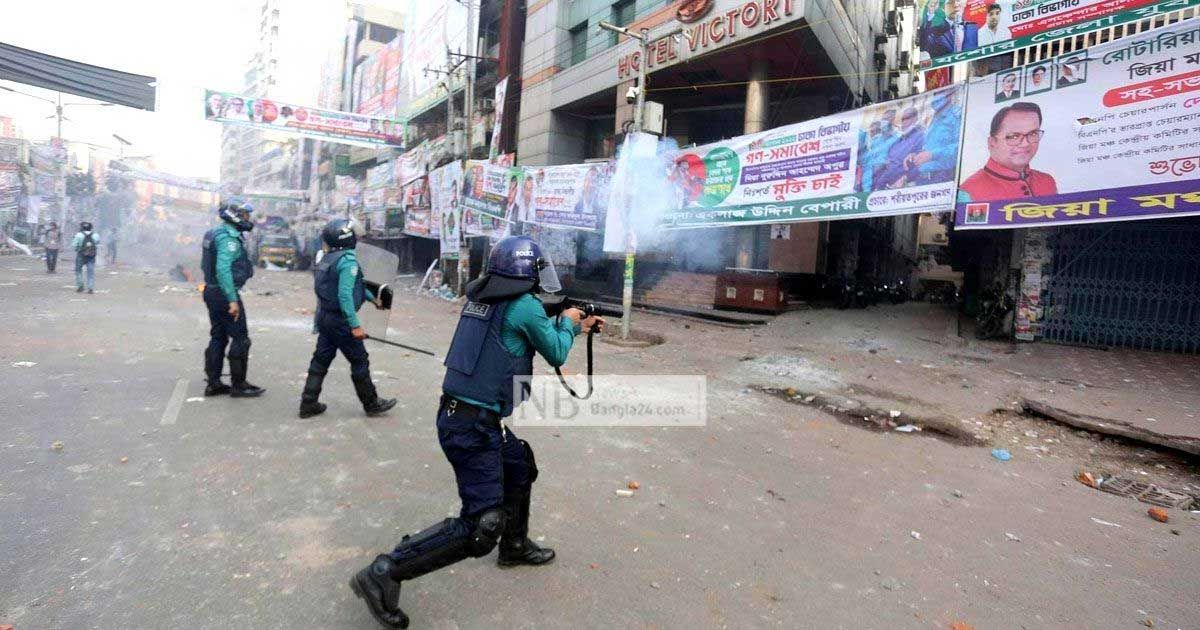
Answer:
x=530 y=462
x=487 y=532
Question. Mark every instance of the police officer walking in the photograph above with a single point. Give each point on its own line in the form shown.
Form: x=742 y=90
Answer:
x=227 y=267
x=340 y=293
x=501 y=326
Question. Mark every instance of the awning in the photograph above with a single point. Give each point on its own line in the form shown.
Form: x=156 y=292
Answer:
x=72 y=77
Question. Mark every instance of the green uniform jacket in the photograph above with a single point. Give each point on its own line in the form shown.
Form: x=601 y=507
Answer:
x=347 y=272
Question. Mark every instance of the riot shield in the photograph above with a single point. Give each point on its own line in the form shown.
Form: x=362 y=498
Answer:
x=379 y=268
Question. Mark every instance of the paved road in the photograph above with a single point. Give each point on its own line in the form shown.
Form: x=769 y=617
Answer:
x=236 y=514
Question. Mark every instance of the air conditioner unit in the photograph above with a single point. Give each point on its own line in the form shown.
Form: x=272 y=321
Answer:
x=891 y=24
x=487 y=104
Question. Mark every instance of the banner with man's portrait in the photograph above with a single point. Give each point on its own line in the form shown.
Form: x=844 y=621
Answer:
x=1102 y=134
x=956 y=31
x=898 y=157
x=573 y=196
x=308 y=122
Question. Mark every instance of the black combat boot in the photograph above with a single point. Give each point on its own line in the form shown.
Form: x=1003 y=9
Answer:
x=371 y=402
x=213 y=361
x=237 y=374
x=309 y=405
x=375 y=586
x=515 y=546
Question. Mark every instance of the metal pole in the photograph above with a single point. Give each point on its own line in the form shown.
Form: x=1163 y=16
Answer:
x=630 y=239
x=58 y=109
x=464 y=252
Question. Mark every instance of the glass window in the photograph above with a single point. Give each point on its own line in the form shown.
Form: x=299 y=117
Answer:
x=578 y=43
x=623 y=13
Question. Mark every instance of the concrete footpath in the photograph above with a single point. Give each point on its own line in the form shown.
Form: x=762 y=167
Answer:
x=162 y=509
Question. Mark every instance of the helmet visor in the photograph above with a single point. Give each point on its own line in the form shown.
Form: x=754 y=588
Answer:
x=548 y=277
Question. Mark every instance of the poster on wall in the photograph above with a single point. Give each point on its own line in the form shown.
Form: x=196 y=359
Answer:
x=1104 y=134
x=574 y=196
x=444 y=186
x=956 y=31
x=501 y=96
x=898 y=157
x=308 y=122
x=437 y=27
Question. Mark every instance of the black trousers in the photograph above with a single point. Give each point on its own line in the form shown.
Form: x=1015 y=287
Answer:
x=333 y=335
x=223 y=332
x=51 y=259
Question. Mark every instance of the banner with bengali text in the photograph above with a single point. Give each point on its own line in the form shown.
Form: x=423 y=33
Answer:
x=957 y=31
x=1110 y=133
x=309 y=122
x=898 y=157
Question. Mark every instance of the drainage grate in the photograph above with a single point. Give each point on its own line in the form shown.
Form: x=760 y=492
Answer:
x=1147 y=493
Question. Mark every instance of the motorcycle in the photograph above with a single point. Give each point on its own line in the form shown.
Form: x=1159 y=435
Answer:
x=996 y=311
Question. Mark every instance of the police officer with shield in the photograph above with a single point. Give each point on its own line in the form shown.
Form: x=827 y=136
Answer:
x=500 y=328
x=227 y=267
x=340 y=293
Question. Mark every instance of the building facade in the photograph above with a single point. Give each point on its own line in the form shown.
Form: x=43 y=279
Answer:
x=719 y=69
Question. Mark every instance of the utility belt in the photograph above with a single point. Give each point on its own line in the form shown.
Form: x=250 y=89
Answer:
x=461 y=409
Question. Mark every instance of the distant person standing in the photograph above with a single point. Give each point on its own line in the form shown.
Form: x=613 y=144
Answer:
x=227 y=267
x=53 y=240
x=85 y=244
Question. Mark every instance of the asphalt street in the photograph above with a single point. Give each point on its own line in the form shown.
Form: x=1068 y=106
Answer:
x=166 y=510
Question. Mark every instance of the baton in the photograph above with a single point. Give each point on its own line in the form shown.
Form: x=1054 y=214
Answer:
x=400 y=345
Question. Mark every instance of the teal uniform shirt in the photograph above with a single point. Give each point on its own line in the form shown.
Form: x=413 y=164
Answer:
x=347 y=272
x=525 y=328
x=228 y=243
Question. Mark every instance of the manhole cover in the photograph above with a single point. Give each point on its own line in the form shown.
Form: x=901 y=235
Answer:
x=1147 y=493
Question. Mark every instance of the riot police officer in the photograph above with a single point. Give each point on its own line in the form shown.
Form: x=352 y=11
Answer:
x=340 y=293
x=227 y=267
x=501 y=326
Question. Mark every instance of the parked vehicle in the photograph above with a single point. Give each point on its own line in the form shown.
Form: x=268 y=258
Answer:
x=996 y=310
x=850 y=293
x=278 y=249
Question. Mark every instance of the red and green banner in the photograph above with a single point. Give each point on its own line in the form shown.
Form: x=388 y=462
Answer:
x=956 y=31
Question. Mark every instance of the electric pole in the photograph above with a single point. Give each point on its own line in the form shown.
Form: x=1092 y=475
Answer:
x=644 y=43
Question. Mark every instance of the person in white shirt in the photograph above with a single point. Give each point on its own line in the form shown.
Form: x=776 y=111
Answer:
x=992 y=32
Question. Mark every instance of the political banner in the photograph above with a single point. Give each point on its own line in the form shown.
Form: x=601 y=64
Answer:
x=444 y=186
x=308 y=122
x=574 y=196
x=898 y=157
x=501 y=96
x=1104 y=134
x=434 y=28
x=956 y=31
x=487 y=188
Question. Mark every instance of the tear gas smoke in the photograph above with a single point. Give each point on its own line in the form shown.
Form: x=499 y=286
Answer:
x=643 y=190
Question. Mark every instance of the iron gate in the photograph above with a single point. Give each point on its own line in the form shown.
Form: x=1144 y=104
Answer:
x=1132 y=285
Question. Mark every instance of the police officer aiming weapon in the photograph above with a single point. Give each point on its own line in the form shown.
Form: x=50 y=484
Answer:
x=226 y=268
x=500 y=328
x=341 y=291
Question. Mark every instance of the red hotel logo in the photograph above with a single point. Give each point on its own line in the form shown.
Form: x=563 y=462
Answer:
x=708 y=32
x=692 y=10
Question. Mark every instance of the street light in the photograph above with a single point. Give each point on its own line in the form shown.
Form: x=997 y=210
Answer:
x=644 y=42
x=58 y=105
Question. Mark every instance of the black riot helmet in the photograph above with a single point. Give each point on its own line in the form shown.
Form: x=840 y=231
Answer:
x=237 y=214
x=85 y=226
x=339 y=234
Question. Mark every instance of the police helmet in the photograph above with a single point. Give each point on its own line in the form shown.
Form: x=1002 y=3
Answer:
x=520 y=258
x=339 y=234
x=237 y=214
x=85 y=226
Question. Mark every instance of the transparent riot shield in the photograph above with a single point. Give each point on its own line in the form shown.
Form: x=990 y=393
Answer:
x=379 y=267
